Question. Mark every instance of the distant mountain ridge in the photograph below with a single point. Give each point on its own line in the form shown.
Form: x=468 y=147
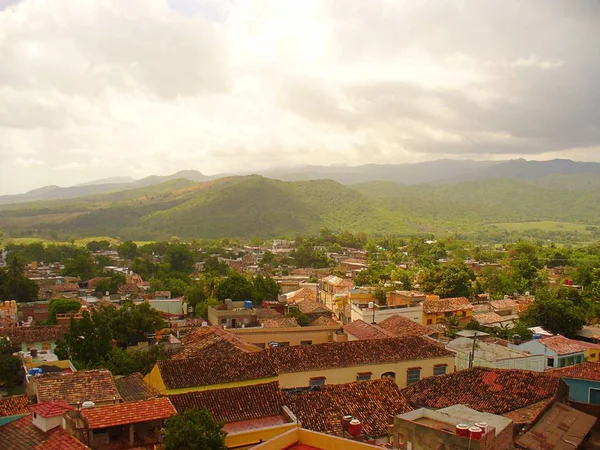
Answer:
x=439 y=172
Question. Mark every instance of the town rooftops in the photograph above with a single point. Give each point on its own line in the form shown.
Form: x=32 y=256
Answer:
x=371 y=402
x=490 y=318
x=212 y=341
x=311 y=307
x=400 y=326
x=354 y=353
x=562 y=427
x=323 y=321
x=562 y=345
x=301 y=294
x=504 y=304
x=14 y=406
x=215 y=369
x=363 y=330
x=20 y=335
x=234 y=404
x=133 y=388
x=84 y=385
x=336 y=281
x=23 y=435
x=585 y=371
x=446 y=305
x=51 y=409
x=496 y=391
x=279 y=322
x=126 y=413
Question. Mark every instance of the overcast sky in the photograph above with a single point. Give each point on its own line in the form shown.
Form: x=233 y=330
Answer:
x=100 y=88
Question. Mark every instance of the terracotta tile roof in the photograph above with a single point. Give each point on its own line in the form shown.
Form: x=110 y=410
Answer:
x=51 y=409
x=280 y=322
x=301 y=294
x=23 y=435
x=20 y=335
x=93 y=282
x=529 y=414
x=586 y=371
x=126 y=413
x=371 y=402
x=446 y=305
x=14 y=406
x=400 y=326
x=562 y=427
x=212 y=341
x=562 y=345
x=311 y=307
x=504 y=304
x=133 y=388
x=84 y=385
x=488 y=318
x=363 y=330
x=209 y=370
x=234 y=404
x=347 y=354
x=323 y=321
x=267 y=313
x=336 y=281
x=65 y=287
x=496 y=391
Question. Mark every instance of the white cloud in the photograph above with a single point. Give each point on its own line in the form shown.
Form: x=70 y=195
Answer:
x=154 y=86
x=29 y=162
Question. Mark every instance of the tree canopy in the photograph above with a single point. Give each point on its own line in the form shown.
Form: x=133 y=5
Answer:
x=195 y=429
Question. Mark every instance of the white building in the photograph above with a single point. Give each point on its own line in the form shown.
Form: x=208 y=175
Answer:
x=380 y=313
x=493 y=355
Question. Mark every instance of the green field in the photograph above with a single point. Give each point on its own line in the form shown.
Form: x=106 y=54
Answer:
x=545 y=225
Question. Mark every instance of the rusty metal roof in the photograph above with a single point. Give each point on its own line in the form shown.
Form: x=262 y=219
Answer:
x=561 y=428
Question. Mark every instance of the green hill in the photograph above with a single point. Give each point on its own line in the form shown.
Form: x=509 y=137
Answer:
x=254 y=206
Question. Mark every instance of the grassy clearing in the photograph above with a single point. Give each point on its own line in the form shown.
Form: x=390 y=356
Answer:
x=545 y=225
x=78 y=242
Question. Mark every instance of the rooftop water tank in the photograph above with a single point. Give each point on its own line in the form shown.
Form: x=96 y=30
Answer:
x=88 y=404
x=35 y=371
x=248 y=304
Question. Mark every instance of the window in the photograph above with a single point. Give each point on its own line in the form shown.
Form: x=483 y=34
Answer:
x=448 y=314
x=413 y=375
x=562 y=362
x=316 y=381
x=592 y=355
x=550 y=362
x=439 y=369
x=594 y=396
x=284 y=344
x=46 y=346
x=389 y=375
x=571 y=360
x=363 y=376
x=429 y=321
x=464 y=313
x=305 y=342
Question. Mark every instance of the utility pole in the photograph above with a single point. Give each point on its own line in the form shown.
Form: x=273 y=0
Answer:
x=472 y=358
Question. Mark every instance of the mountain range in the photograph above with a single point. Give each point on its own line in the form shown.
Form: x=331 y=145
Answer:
x=440 y=172
x=563 y=206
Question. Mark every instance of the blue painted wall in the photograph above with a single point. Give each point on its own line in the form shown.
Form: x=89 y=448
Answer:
x=579 y=389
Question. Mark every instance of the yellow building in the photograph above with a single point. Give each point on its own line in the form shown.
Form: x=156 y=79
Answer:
x=406 y=359
x=300 y=438
x=410 y=299
x=436 y=311
x=309 y=335
x=332 y=289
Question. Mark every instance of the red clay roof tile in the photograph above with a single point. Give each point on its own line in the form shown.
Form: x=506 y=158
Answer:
x=562 y=345
x=496 y=391
x=234 y=404
x=446 y=305
x=363 y=330
x=14 y=406
x=371 y=402
x=19 y=335
x=586 y=371
x=51 y=409
x=23 y=435
x=84 y=385
x=133 y=388
x=400 y=326
x=126 y=413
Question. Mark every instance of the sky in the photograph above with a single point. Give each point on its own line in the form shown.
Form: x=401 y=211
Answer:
x=92 y=89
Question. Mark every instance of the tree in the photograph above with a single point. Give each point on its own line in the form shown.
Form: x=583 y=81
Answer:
x=14 y=285
x=95 y=246
x=87 y=341
x=11 y=367
x=180 y=257
x=61 y=306
x=448 y=280
x=201 y=309
x=128 y=250
x=265 y=288
x=122 y=362
x=81 y=265
x=236 y=287
x=555 y=312
x=195 y=429
x=111 y=285
x=300 y=317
